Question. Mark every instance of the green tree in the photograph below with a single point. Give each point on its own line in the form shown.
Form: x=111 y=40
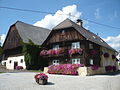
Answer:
x=32 y=57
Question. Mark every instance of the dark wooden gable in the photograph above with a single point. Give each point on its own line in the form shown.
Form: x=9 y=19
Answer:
x=62 y=35
x=13 y=39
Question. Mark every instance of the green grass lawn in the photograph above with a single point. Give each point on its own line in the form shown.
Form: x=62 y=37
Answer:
x=1 y=72
x=35 y=70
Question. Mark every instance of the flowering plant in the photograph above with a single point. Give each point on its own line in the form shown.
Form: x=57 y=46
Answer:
x=51 y=52
x=18 y=67
x=65 y=69
x=114 y=68
x=113 y=57
x=93 y=52
x=43 y=52
x=106 y=55
x=108 y=68
x=41 y=76
x=75 y=51
x=94 y=67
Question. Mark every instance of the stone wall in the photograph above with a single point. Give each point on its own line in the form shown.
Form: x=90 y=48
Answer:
x=86 y=71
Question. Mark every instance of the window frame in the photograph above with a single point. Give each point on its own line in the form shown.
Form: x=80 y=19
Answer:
x=56 y=62
x=91 y=61
x=75 y=45
x=91 y=46
x=76 y=61
x=56 y=47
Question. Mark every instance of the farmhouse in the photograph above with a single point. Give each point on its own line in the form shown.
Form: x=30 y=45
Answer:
x=70 y=42
x=18 y=33
x=66 y=43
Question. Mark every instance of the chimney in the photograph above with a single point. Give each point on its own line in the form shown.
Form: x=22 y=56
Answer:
x=79 y=22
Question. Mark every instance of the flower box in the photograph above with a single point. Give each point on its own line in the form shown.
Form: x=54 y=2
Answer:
x=41 y=78
x=41 y=81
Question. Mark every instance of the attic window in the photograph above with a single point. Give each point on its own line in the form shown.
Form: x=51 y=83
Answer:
x=94 y=37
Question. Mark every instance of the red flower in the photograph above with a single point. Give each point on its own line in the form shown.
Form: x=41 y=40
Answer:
x=41 y=76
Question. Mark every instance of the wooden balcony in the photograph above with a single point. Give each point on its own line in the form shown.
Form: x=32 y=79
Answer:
x=62 y=52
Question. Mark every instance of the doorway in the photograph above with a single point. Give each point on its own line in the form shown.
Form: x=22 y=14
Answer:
x=15 y=64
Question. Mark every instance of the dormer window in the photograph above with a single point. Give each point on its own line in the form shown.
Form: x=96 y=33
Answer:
x=55 y=47
x=75 y=45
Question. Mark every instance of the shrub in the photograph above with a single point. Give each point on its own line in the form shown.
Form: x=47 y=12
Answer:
x=106 y=55
x=114 y=68
x=108 y=68
x=18 y=67
x=113 y=57
x=65 y=69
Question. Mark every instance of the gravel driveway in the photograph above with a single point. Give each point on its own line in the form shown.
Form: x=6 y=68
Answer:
x=25 y=81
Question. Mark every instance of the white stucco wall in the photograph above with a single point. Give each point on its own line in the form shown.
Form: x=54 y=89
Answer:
x=15 y=59
x=107 y=61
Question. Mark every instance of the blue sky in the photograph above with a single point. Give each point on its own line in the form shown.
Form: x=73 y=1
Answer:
x=101 y=11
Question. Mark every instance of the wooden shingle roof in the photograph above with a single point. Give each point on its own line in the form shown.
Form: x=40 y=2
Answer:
x=29 y=32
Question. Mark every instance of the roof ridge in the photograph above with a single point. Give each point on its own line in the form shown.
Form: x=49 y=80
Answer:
x=17 y=22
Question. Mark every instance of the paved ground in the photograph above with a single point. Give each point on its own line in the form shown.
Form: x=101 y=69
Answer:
x=25 y=81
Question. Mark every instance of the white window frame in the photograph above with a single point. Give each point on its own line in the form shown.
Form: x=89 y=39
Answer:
x=91 y=61
x=55 y=47
x=76 y=61
x=90 y=45
x=75 y=45
x=55 y=62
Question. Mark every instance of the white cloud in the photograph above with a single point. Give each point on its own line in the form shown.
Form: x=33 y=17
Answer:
x=2 y=38
x=97 y=13
x=113 y=41
x=49 y=21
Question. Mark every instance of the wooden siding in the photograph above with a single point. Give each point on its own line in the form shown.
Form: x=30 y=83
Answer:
x=68 y=35
x=95 y=57
x=13 y=39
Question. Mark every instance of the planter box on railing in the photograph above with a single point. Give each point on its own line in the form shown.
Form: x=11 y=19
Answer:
x=52 y=52
x=75 y=51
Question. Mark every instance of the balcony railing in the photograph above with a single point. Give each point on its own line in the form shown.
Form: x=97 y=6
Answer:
x=61 y=52
x=52 y=52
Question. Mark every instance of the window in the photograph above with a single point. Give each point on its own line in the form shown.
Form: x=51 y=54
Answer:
x=91 y=61
x=55 y=47
x=90 y=46
x=75 y=45
x=76 y=61
x=10 y=61
x=63 y=31
x=21 y=60
x=55 y=62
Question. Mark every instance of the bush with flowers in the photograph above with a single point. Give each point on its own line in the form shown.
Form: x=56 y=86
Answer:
x=75 y=51
x=51 y=52
x=108 y=68
x=41 y=76
x=94 y=67
x=18 y=67
x=113 y=57
x=65 y=69
x=93 y=52
x=106 y=55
